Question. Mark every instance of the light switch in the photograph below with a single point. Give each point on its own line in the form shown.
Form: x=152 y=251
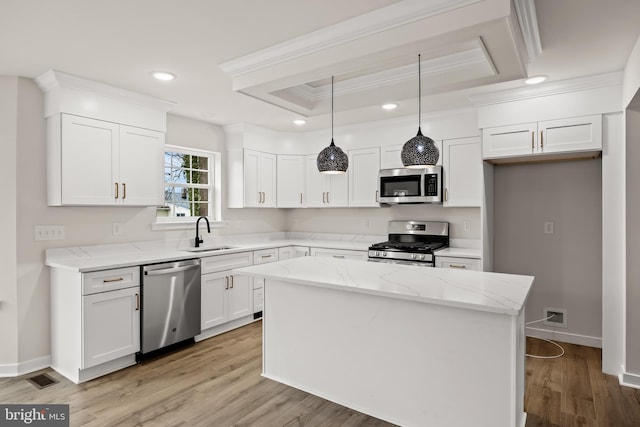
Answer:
x=548 y=227
x=117 y=229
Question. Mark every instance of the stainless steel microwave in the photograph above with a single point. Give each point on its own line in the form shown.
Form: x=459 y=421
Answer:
x=410 y=185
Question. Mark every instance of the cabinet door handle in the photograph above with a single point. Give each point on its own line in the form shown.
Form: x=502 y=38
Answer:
x=232 y=282
x=541 y=140
x=533 y=145
x=323 y=197
x=457 y=266
x=137 y=302
x=300 y=198
x=446 y=195
x=328 y=201
x=226 y=282
x=377 y=195
x=124 y=190
x=119 y=279
x=117 y=195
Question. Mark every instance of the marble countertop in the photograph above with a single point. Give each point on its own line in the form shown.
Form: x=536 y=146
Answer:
x=101 y=257
x=491 y=292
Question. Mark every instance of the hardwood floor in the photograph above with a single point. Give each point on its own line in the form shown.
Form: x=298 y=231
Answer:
x=217 y=382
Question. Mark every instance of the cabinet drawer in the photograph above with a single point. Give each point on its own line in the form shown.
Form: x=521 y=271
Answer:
x=266 y=255
x=459 y=263
x=216 y=263
x=340 y=253
x=110 y=280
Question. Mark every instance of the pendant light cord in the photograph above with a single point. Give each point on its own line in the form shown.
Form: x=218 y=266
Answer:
x=331 y=108
x=419 y=93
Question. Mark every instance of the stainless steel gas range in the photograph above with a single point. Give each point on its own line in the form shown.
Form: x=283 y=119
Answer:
x=411 y=242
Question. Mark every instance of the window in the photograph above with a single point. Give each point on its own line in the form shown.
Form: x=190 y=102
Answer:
x=191 y=185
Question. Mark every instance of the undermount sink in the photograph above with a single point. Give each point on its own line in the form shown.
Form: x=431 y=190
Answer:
x=209 y=249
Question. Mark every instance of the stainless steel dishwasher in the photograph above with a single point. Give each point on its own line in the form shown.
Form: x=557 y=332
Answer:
x=170 y=304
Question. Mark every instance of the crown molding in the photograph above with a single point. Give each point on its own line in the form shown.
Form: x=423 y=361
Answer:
x=374 y=22
x=548 y=89
x=526 y=11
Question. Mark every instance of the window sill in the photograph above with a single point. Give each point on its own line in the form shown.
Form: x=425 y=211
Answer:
x=183 y=225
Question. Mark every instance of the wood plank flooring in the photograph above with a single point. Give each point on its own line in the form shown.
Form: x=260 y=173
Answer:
x=217 y=382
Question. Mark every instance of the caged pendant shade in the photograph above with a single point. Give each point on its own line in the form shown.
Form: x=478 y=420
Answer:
x=420 y=151
x=332 y=160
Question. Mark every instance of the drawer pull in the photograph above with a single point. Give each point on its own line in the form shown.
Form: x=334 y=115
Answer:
x=338 y=256
x=457 y=266
x=119 y=279
x=266 y=256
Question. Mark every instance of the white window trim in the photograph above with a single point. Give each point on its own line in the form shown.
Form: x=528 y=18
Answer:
x=215 y=220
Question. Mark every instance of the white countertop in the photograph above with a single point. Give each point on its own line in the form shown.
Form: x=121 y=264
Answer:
x=491 y=292
x=101 y=257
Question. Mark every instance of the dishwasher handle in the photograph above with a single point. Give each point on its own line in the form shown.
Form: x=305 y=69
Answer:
x=171 y=270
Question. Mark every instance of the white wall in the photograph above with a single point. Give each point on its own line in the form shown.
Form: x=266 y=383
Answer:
x=613 y=259
x=8 y=264
x=567 y=265
x=632 y=321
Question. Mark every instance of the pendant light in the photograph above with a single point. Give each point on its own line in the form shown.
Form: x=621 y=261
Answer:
x=420 y=151
x=332 y=160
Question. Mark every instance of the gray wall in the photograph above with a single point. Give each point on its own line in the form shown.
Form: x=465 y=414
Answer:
x=633 y=237
x=567 y=265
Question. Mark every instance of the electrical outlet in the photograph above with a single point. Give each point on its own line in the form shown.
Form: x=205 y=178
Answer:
x=467 y=226
x=49 y=232
x=116 y=229
x=548 y=227
x=555 y=317
x=366 y=223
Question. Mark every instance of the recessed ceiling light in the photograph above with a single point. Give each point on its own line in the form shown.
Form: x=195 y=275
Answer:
x=535 y=80
x=390 y=106
x=163 y=75
x=299 y=122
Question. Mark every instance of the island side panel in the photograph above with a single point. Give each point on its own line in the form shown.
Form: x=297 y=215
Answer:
x=409 y=363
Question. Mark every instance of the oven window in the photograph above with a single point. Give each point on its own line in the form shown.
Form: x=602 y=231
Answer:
x=400 y=186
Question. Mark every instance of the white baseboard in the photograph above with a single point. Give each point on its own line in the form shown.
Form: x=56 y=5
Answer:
x=22 y=368
x=629 y=380
x=565 y=337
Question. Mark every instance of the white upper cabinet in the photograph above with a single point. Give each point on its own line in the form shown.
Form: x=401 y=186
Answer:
x=364 y=166
x=291 y=181
x=324 y=190
x=545 y=140
x=103 y=163
x=259 y=179
x=390 y=156
x=463 y=176
x=105 y=145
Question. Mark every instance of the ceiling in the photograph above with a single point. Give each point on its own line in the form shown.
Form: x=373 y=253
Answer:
x=268 y=62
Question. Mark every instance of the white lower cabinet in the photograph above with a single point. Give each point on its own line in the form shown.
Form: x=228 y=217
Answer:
x=225 y=296
x=340 y=253
x=262 y=257
x=95 y=321
x=111 y=323
x=459 y=263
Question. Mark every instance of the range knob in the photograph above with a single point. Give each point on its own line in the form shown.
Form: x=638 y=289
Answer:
x=384 y=254
x=414 y=256
x=377 y=253
x=422 y=256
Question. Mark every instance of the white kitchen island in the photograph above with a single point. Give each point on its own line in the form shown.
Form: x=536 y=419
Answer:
x=414 y=346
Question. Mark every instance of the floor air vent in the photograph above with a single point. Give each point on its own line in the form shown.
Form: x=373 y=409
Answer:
x=42 y=381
